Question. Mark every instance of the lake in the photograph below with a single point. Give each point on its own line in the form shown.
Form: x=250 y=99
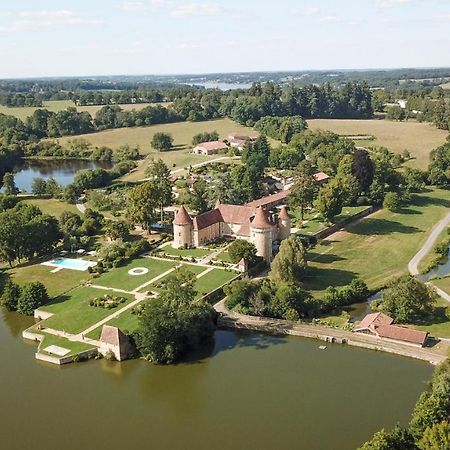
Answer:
x=62 y=170
x=247 y=391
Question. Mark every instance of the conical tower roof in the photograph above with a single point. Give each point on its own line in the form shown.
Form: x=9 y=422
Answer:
x=283 y=213
x=182 y=217
x=261 y=221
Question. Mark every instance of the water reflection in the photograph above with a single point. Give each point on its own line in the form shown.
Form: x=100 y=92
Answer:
x=62 y=170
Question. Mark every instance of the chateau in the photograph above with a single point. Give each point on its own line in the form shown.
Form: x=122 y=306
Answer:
x=249 y=222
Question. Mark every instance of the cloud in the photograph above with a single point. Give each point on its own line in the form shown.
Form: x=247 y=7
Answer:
x=306 y=12
x=33 y=20
x=197 y=9
x=150 y=5
x=328 y=19
x=389 y=3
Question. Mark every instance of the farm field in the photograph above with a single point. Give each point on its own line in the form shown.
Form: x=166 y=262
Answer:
x=182 y=133
x=59 y=105
x=377 y=248
x=418 y=138
x=72 y=312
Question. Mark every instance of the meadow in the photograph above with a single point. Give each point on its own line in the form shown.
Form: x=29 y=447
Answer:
x=418 y=138
x=60 y=105
x=182 y=132
x=377 y=248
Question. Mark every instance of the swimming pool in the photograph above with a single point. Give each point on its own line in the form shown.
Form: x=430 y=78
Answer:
x=70 y=263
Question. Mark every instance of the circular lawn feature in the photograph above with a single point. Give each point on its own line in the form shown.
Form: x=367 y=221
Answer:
x=138 y=271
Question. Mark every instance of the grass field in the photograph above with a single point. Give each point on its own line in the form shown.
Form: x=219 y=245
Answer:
x=74 y=346
x=445 y=86
x=56 y=283
x=72 y=312
x=127 y=322
x=188 y=252
x=439 y=326
x=212 y=280
x=377 y=248
x=52 y=206
x=418 y=138
x=59 y=105
x=120 y=279
x=443 y=283
x=182 y=133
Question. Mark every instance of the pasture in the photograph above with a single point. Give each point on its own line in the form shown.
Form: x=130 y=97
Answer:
x=418 y=138
x=51 y=206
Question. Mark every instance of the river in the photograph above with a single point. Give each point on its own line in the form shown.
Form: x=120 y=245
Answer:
x=62 y=170
x=248 y=391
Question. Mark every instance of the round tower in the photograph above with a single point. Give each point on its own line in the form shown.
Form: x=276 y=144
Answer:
x=284 y=224
x=182 y=229
x=261 y=231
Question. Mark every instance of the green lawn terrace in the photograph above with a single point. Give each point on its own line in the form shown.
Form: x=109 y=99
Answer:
x=213 y=280
x=74 y=347
x=157 y=285
x=120 y=278
x=56 y=283
x=72 y=312
x=196 y=253
x=314 y=222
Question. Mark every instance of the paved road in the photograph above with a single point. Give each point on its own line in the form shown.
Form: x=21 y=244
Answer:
x=413 y=265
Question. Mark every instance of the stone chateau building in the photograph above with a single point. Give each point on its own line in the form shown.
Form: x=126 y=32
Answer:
x=248 y=222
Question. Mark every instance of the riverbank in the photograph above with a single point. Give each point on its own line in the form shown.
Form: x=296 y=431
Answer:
x=232 y=320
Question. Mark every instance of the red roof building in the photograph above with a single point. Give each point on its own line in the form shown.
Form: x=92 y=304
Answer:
x=382 y=326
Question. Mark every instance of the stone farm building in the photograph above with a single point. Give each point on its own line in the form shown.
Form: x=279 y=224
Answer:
x=382 y=326
x=210 y=148
x=239 y=140
x=247 y=222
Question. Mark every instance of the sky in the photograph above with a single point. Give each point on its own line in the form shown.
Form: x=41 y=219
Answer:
x=107 y=37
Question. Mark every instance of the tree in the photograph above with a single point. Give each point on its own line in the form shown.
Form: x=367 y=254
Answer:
x=302 y=194
x=397 y=439
x=392 y=201
x=205 y=137
x=9 y=186
x=240 y=249
x=39 y=186
x=290 y=262
x=407 y=300
x=363 y=169
x=118 y=230
x=329 y=201
x=32 y=296
x=159 y=172
x=436 y=437
x=10 y=296
x=142 y=203
x=174 y=323
x=162 y=141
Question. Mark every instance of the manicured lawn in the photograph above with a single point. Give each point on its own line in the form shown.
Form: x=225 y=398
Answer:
x=440 y=326
x=188 y=252
x=430 y=256
x=74 y=347
x=52 y=206
x=377 y=248
x=72 y=312
x=127 y=322
x=418 y=138
x=120 y=279
x=196 y=270
x=213 y=280
x=224 y=256
x=315 y=222
x=56 y=283
x=443 y=283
